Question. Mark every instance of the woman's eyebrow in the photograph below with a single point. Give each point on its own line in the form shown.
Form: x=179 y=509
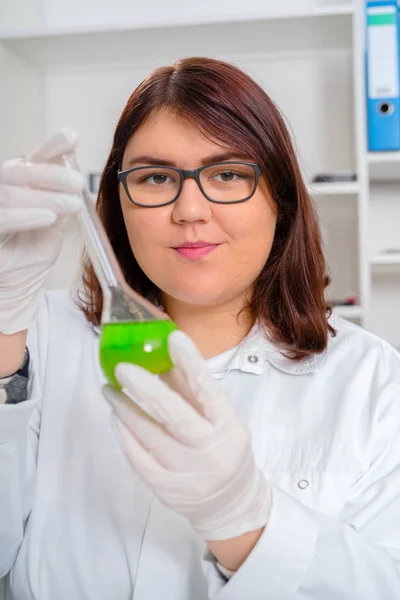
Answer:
x=146 y=159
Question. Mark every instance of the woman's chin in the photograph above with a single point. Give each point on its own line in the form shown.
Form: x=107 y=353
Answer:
x=203 y=297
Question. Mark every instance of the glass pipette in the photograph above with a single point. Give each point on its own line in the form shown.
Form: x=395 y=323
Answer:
x=132 y=328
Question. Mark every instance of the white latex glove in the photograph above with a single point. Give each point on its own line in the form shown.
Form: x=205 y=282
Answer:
x=191 y=447
x=36 y=197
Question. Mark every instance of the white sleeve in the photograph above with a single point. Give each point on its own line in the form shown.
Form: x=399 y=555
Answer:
x=19 y=436
x=304 y=555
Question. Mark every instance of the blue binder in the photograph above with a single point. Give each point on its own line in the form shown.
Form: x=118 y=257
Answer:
x=383 y=73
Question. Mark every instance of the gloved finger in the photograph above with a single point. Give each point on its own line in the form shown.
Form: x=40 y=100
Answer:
x=177 y=381
x=42 y=176
x=144 y=431
x=12 y=221
x=13 y=197
x=148 y=468
x=197 y=377
x=140 y=459
x=164 y=405
x=63 y=142
x=169 y=452
x=126 y=408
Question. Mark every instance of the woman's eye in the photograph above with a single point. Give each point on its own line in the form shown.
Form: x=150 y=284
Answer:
x=227 y=176
x=156 y=179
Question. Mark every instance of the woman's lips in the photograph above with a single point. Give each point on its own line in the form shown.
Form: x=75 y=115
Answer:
x=196 y=253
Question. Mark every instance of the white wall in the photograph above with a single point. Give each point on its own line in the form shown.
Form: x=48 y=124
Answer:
x=20 y=14
x=20 y=92
x=89 y=99
x=339 y=225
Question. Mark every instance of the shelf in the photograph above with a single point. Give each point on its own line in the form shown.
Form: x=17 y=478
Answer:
x=334 y=189
x=159 y=35
x=155 y=21
x=384 y=166
x=348 y=312
x=386 y=260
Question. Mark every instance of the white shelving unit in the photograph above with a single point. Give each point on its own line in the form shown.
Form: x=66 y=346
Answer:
x=172 y=18
x=255 y=10
x=75 y=64
x=250 y=31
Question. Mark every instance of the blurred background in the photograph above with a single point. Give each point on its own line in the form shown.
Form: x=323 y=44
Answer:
x=75 y=64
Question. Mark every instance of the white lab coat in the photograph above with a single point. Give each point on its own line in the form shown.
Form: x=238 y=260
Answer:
x=76 y=523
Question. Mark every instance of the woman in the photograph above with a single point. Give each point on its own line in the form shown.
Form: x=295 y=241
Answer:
x=266 y=464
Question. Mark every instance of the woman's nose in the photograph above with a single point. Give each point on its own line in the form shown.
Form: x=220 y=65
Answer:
x=191 y=204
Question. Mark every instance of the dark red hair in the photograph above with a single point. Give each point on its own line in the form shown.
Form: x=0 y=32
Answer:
x=230 y=107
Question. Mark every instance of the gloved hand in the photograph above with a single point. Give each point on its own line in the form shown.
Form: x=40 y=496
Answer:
x=185 y=439
x=36 y=197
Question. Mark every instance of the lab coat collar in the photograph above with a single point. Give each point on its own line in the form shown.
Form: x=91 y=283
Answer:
x=254 y=353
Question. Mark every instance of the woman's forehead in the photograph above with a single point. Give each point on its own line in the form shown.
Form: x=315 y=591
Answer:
x=169 y=128
x=174 y=139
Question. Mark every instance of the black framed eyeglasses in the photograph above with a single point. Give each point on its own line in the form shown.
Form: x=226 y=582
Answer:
x=227 y=182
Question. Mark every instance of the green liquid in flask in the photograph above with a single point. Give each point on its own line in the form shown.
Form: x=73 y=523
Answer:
x=140 y=343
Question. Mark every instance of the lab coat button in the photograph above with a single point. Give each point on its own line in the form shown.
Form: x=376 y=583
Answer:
x=253 y=359
x=303 y=484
